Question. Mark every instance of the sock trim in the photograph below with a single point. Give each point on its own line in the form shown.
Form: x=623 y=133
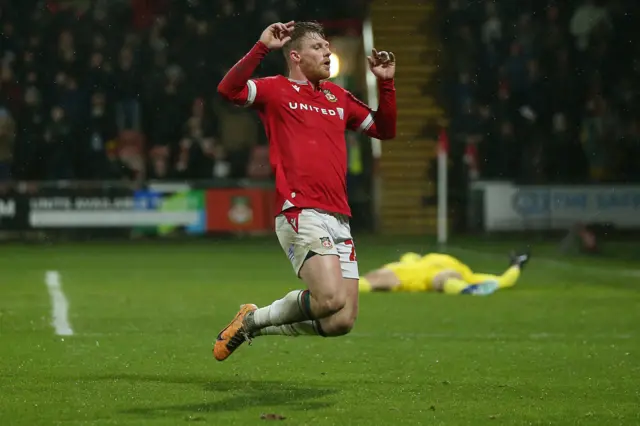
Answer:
x=304 y=303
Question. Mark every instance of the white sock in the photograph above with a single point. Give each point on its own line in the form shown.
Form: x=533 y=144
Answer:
x=304 y=328
x=287 y=310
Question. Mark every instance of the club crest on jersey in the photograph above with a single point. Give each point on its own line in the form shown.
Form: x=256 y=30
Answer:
x=326 y=242
x=330 y=96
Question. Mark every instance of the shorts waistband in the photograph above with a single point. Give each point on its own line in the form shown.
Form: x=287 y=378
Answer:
x=341 y=217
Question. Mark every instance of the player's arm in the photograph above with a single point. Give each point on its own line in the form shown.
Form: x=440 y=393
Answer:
x=379 y=124
x=237 y=86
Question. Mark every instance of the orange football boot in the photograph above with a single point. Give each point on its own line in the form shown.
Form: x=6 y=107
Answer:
x=233 y=335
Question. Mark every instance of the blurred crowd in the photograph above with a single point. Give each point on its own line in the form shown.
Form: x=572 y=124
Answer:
x=539 y=91
x=125 y=89
x=544 y=91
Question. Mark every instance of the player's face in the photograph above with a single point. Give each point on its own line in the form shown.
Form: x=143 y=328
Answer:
x=314 y=57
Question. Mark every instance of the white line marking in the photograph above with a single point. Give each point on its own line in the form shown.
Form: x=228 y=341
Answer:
x=60 y=305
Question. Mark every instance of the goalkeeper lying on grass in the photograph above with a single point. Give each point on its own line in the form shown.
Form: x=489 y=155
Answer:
x=440 y=273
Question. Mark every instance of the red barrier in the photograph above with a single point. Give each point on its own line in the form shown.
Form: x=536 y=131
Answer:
x=242 y=209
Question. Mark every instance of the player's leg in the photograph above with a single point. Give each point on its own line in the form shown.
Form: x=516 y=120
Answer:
x=324 y=295
x=307 y=241
x=452 y=282
x=451 y=276
x=507 y=279
x=383 y=279
x=325 y=300
x=338 y=324
x=448 y=281
x=510 y=277
x=343 y=321
x=484 y=284
x=306 y=238
x=472 y=285
x=520 y=259
x=344 y=297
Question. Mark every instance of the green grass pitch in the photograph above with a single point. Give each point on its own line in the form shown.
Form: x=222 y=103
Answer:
x=560 y=348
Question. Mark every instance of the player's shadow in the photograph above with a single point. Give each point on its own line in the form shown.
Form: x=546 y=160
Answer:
x=236 y=395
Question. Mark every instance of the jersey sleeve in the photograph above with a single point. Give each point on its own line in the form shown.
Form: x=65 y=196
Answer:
x=238 y=87
x=258 y=92
x=360 y=116
x=255 y=93
x=379 y=124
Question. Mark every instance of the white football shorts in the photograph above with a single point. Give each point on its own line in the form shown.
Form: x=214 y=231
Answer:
x=301 y=231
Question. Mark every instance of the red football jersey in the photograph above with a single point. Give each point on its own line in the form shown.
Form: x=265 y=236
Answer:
x=306 y=126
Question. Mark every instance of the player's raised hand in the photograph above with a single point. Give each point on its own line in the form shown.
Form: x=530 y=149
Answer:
x=382 y=64
x=276 y=35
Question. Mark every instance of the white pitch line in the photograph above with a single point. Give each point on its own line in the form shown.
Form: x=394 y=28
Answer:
x=59 y=304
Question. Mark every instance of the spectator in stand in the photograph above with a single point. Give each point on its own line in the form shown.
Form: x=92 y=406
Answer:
x=66 y=54
x=195 y=158
x=550 y=88
x=599 y=133
x=238 y=134
x=28 y=70
x=586 y=18
x=113 y=167
x=9 y=39
x=30 y=137
x=128 y=81
x=58 y=143
x=492 y=27
x=159 y=159
x=72 y=100
x=10 y=90
x=516 y=69
x=170 y=110
x=197 y=56
x=7 y=136
x=629 y=160
x=100 y=131
x=99 y=76
x=97 y=84
x=564 y=145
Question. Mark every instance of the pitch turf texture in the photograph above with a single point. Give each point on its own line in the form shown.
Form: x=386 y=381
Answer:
x=561 y=348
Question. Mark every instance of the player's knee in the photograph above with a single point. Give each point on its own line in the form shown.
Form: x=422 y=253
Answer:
x=333 y=303
x=342 y=325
